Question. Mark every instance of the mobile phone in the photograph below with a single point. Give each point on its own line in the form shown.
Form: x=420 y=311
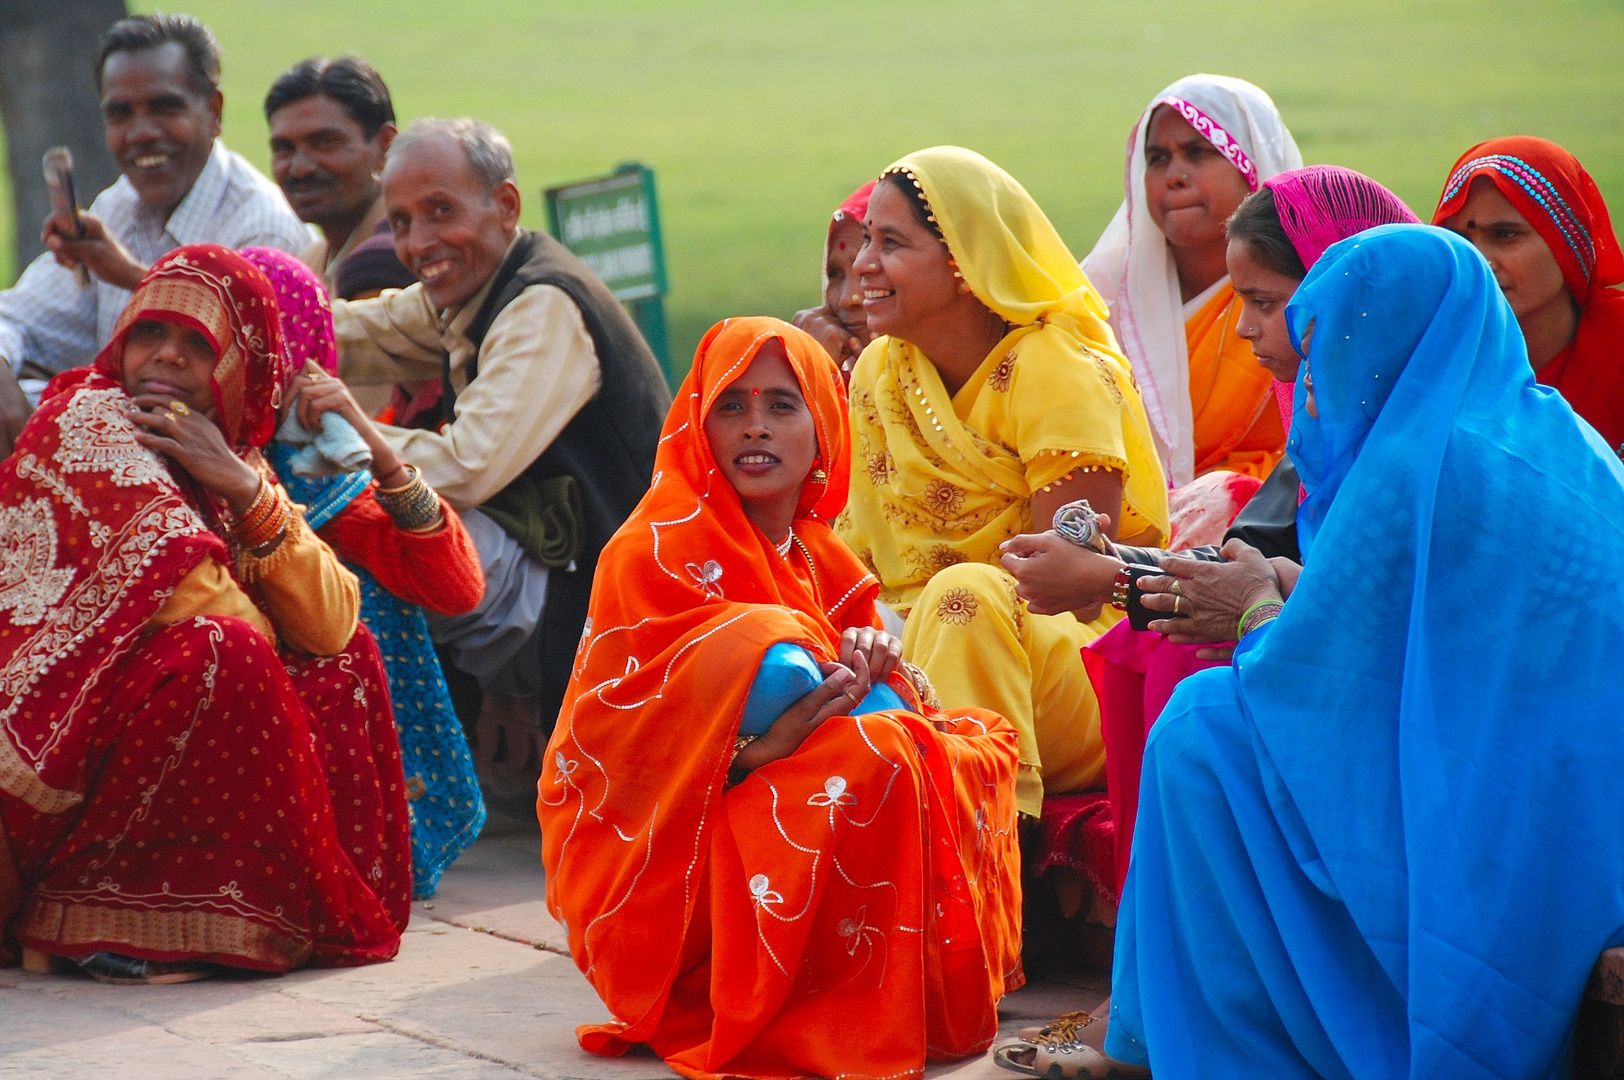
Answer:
x=58 y=165
x=1140 y=616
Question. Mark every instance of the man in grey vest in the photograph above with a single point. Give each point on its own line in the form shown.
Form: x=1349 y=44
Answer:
x=551 y=404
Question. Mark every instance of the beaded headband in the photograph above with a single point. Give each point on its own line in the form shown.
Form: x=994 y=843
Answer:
x=1213 y=132
x=1538 y=188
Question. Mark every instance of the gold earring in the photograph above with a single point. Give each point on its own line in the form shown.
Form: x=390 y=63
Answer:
x=819 y=476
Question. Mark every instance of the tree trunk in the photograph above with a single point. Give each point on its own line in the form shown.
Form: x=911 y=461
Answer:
x=48 y=98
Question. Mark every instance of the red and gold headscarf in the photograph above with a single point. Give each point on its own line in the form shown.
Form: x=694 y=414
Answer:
x=224 y=297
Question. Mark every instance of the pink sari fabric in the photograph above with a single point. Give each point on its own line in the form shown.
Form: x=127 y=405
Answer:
x=305 y=313
x=1134 y=673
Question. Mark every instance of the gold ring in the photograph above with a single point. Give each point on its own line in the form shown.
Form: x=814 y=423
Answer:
x=1177 y=601
x=179 y=408
x=315 y=376
x=1175 y=588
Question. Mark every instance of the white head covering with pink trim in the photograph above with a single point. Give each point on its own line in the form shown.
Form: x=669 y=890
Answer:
x=1133 y=269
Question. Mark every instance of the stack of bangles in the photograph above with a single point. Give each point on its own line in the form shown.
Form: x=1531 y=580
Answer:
x=1256 y=615
x=414 y=505
x=265 y=522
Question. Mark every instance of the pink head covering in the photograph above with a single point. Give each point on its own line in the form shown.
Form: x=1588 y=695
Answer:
x=1322 y=204
x=305 y=314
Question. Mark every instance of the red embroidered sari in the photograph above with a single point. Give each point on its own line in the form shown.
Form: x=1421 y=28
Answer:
x=852 y=908
x=184 y=793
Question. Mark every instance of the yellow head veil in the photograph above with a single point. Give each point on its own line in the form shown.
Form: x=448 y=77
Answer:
x=944 y=479
x=1010 y=255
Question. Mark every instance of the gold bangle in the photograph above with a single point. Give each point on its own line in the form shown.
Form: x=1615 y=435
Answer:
x=738 y=745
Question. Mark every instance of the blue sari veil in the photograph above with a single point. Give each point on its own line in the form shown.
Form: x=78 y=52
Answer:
x=1418 y=767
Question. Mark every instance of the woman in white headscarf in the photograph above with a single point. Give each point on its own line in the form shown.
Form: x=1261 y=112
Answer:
x=1200 y=147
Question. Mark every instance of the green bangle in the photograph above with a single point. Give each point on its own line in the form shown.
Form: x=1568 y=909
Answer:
x=1242 y=629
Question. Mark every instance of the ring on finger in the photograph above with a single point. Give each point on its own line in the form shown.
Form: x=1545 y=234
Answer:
x=1178 y=602
x=315 y=376
x=1176 y=588
x=179 y=408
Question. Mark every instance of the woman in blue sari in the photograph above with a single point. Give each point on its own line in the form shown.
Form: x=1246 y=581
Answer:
x=402 y=570
x=1386 y=842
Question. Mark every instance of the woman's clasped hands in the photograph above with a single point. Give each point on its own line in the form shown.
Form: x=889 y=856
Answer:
x=866 y=657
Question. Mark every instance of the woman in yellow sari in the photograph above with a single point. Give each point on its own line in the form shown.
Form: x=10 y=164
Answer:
x=994 y=395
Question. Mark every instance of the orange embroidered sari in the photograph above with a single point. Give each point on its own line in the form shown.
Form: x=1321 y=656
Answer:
x=851 y=909
x=1237 y=426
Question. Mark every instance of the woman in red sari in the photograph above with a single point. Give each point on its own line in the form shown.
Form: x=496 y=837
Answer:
x=839 y=896
x=197 y=760
x=1537 y=216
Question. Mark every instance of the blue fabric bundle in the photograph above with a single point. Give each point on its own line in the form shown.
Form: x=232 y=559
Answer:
x=788 y=673
x=447 y=809
x=1387 y=842
x=336 y=448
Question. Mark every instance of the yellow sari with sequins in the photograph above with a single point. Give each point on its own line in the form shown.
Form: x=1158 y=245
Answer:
x=940 y=481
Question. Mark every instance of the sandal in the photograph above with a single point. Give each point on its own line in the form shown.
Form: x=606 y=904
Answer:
x=1065 y=1027
x=1063 y=1061
x=117 y=970
x=1056 y=1051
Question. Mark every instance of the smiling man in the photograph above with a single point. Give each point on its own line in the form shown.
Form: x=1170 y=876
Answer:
x=160 y=87
x=551 y=408
x=331 y=124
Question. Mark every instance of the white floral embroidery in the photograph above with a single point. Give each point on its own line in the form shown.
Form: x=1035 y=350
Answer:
x=762 y=890
x=834 y=794
x=97 y=436
x=856 y=931
x=707 y=576
x=30 y=580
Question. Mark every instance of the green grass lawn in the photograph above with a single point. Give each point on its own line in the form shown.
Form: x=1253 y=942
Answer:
x=759 y=117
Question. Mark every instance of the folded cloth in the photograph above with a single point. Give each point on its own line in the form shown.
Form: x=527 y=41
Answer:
x=336 y=448
x=546 y=517
x=788 y=673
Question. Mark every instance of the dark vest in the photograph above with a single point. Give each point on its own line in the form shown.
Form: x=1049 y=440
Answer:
x=608 y=447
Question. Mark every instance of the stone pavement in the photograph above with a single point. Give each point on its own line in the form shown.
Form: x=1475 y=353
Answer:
x=482 y=990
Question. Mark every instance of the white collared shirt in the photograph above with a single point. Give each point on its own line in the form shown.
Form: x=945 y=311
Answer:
x=47 y=321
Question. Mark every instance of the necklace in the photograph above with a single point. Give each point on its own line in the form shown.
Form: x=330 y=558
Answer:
x=783 y=549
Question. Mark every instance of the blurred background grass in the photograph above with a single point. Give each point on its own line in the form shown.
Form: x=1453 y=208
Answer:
x=760 y=117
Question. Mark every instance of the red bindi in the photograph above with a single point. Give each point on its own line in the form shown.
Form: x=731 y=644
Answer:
x=755 y=391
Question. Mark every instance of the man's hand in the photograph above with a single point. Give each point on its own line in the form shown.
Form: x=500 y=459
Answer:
x=14 y=408
x=1052 y=574
x=1207 y=599
x=97 y=250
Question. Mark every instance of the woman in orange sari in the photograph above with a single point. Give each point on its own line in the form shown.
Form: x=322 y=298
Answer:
x=838 y=896
x=197 y=759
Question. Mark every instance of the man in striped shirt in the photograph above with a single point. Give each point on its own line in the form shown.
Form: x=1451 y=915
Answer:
x=161 y=102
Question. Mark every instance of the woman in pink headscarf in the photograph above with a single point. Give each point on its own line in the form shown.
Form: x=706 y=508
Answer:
x=1274 y=237
x=839 y=324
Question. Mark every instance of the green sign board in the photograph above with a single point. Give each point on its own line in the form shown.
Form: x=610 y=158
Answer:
x=613 y=225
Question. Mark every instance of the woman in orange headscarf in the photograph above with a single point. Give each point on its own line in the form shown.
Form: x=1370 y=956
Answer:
x=1536 y=215
x=837 y=896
